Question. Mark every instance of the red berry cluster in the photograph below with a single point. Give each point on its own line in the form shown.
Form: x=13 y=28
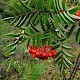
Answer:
x=44 y=52
x=78 y=13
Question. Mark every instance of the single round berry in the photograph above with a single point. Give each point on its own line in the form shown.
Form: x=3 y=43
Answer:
x=54 y=53
x=37 y=53
x=30 y=51
x=33 y=51
x=31 y=47
x=34 y=55
x=50 y=54
x=78 y=13
x=44 y=54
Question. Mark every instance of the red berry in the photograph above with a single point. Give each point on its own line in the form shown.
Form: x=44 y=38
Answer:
x=33 y=51
x=50 y=54
x=37 y=53
x=78 y=13
x=44 y=54
x=34 y=55
x=41 y=53
x=31 y=47
x=54 y=53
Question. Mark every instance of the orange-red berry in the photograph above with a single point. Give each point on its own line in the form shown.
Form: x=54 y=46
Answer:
x=78 y=13
x=34 y=55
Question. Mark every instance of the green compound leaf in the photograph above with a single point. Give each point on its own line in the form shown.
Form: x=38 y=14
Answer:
x=28 y=42
x=56 y=46
x=23 y=40
x=49 y=41
x=34 y=40
x=35 y=71
x=25 y=6
x=62 y=28
x=14 y=20
x=43 y=42
x=27 y=32
x=32 y=25
x=64 y=4
x=66 y=47
x=78 y=35
x=23 y=21
x=13 y=34
x=67 y=54
x=10 y=67
x=9 y=18
x=61 y=66
x=58 y=57
x=65 y=63
x=39 y=40
x=11 y=45
x=18 y=22
x=74 y=9
x=66 y=59
x=73 y=16
x=11 y=52
x=6 y=61
x=71 y=31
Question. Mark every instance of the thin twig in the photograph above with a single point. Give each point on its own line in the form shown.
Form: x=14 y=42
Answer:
x=75 y=68
x=40 y=11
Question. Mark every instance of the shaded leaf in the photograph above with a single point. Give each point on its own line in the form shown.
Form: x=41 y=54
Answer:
x=66 y=47
x=64 y=4
x=67 y=54
x=43 y=42
x=28 y=42
x=13 y=34
x=67 y=60
x=11 y=45
x=74 y=9
x=10 y=52
x=10 y=67
x=71 y=30
x=6 y=61
x=23 y=40
x=78 y=35
x=56 y=46
x=65 y=64
x=25 y=6
x=39 y=40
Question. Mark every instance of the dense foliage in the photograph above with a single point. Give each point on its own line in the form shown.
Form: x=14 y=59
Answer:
x=43 y=23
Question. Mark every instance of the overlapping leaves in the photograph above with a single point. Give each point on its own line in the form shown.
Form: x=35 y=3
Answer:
x=24 y=14
x=43 y=23
x=62 y=58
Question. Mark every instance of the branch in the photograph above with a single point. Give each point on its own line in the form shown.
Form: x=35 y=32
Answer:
x=35 y=11
x=77 y=64
x=40 y=11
